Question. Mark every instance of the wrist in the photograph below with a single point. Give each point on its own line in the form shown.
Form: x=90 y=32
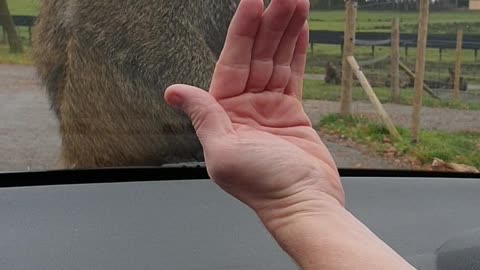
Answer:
x=321 y=234
x=303 y=229
x=302 y=206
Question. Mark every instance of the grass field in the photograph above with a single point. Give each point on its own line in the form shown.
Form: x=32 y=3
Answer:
x=17 y=59
x=23 y=7
x=451 y=147
x=380 y=21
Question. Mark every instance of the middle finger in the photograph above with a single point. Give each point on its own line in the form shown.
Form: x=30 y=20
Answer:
x=274 y=23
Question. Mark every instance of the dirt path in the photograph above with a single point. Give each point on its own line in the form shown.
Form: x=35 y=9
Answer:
x=314 y=77
x=29 y=137
x=448 y=120
x=28 y=130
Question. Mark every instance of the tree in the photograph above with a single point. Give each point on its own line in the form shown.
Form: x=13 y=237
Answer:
x=7 y=22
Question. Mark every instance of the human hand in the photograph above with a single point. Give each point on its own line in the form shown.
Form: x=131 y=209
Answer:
x=259 y=144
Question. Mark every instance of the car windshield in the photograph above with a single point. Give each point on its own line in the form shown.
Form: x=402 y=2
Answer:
x=388 y=84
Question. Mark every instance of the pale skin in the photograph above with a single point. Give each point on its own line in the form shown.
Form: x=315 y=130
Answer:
x=260 y=147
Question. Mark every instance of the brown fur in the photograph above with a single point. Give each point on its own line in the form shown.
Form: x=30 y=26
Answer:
x=332 y=76
x=106 y=65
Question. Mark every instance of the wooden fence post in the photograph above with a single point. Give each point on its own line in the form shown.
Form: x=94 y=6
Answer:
x=458 y=64
x=4 y=35
x=348 y=50
x=6 y=20
x=410 y=74
x=420 y=68
x=395 y=60
x=377 y=105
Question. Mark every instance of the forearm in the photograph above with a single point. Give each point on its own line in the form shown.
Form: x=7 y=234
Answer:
x=327 y=236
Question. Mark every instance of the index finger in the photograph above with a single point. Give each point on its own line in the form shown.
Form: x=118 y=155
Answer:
x=233 y=67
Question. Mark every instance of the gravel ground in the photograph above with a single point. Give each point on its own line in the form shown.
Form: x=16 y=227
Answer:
x=29 y=137
x=441 y=119
x=28 y=130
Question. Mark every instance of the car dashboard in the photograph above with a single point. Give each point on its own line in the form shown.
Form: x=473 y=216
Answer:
x=178 y=219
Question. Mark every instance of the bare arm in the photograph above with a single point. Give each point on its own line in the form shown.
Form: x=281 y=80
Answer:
x=322 y=234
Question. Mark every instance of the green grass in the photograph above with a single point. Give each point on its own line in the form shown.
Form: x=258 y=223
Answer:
x=17 y=59
x=451 y=147
x=23 y=7
x=318 y=90
x=380 y=21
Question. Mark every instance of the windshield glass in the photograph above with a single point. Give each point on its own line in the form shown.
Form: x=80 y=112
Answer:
x=82 y=82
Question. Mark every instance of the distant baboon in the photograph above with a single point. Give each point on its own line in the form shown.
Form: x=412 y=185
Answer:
x=106 y=64
x=451 y=80
x=332 y=75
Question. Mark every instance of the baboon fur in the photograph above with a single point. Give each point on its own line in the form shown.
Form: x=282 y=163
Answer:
x=106 y=64
x=332 y=76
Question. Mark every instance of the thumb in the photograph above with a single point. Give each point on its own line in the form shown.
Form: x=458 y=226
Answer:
x=207 y=115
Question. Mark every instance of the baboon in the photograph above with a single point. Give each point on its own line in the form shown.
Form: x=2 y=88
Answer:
x=451 y=80
x=332 y=76
x=105 y=65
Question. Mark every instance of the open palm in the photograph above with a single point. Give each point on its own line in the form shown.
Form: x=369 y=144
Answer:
x=258 y=142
